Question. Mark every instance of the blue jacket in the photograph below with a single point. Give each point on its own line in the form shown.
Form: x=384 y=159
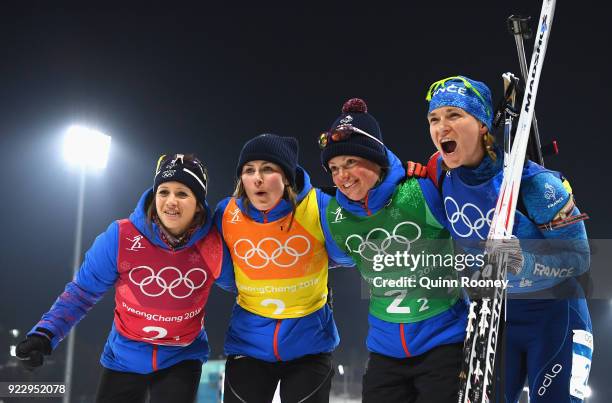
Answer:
x=97 y=274
x=407 y=339
x=551 y=256
x=254 y=335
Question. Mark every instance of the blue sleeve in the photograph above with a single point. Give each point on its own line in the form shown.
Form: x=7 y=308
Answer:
x=97 y=274
x=544 y=196
x=433 y=198
x=337 y=257
x=226 y=279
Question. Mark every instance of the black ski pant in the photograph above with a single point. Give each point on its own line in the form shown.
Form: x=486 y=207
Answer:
x=176 y=384
x=305 y=379
x=432 y=377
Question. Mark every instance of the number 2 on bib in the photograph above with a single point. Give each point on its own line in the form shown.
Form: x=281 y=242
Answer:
x=280 y=305
x=161 y=332
x=394 y=305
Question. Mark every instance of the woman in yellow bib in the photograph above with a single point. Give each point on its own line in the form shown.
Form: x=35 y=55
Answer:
x=282 y=328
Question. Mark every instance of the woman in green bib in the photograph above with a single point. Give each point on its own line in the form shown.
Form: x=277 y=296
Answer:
x=393 y=229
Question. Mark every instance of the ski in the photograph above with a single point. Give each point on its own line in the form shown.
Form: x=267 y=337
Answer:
x=503 y=218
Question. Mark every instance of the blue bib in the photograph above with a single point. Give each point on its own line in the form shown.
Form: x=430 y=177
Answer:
x=469 y=211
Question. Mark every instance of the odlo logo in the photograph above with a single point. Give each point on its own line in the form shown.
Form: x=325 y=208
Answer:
x=548 y=378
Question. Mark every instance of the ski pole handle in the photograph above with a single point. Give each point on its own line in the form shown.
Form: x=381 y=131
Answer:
x=519 y=27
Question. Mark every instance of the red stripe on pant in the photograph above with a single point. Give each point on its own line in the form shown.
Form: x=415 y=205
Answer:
x=403 y=337
x=275 y=344
x=154 y=358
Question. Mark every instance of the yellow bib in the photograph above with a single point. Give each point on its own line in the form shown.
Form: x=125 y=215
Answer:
x=279 y=273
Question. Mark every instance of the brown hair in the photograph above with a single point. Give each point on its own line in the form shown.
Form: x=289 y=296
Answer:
x=289 y=194
x=382 y=175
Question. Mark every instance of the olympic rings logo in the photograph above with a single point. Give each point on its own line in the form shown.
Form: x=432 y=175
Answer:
x=382 y=246
x=481 y=222
x=273 y=257
x=163 y=285
x=169 y=173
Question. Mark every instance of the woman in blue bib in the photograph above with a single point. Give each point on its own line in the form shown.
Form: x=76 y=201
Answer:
x=548 y=328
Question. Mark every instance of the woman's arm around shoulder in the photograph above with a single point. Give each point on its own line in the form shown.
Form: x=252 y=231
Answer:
x=226 y=279
x=337 y=257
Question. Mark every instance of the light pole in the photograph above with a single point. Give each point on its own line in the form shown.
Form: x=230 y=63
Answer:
x=342 y=370
x=85 y=148
x=13 y=346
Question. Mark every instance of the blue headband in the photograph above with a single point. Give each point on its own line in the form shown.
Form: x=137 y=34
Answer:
x=472 y=96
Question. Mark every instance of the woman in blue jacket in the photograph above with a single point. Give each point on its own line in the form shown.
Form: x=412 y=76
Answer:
x=282 y=328
x=162 y=262
x=415 y=334
x=549 y=339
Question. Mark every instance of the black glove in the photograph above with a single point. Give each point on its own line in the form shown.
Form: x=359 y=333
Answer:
x=30 y=351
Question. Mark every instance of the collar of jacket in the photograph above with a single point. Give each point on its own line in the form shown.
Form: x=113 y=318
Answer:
x=378 y=196
x=283 y=207
x=484 y=171
x=139 y=219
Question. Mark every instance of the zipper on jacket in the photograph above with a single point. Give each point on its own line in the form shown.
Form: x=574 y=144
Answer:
x=275 y=340
x=265 y=213
x=154 y=358
x=365 y=205
x=403 y=338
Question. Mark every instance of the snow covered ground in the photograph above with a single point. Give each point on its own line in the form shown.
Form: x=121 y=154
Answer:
x=332 y=398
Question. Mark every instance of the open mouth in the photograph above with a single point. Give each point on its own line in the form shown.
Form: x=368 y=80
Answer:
x=172 y=214
x=448 y=146
x=348 y=185
x=260 y=194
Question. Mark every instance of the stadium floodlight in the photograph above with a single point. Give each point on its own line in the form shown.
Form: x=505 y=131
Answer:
x=86 y=147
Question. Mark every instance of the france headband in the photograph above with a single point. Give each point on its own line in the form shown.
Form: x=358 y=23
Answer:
x=472 y=96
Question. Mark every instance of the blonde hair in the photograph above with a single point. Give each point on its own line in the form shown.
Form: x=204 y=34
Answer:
x=289 y=194
x=489 y=144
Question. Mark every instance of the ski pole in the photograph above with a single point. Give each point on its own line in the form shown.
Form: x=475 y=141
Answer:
x=510 y=84
x=519 y=27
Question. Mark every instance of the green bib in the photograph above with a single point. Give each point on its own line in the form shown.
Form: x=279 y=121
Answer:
x=403 y=253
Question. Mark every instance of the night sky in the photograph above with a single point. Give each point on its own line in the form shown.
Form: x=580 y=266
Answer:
x=205 y=79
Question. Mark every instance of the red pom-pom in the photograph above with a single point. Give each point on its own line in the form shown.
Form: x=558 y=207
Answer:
x=355 y=105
